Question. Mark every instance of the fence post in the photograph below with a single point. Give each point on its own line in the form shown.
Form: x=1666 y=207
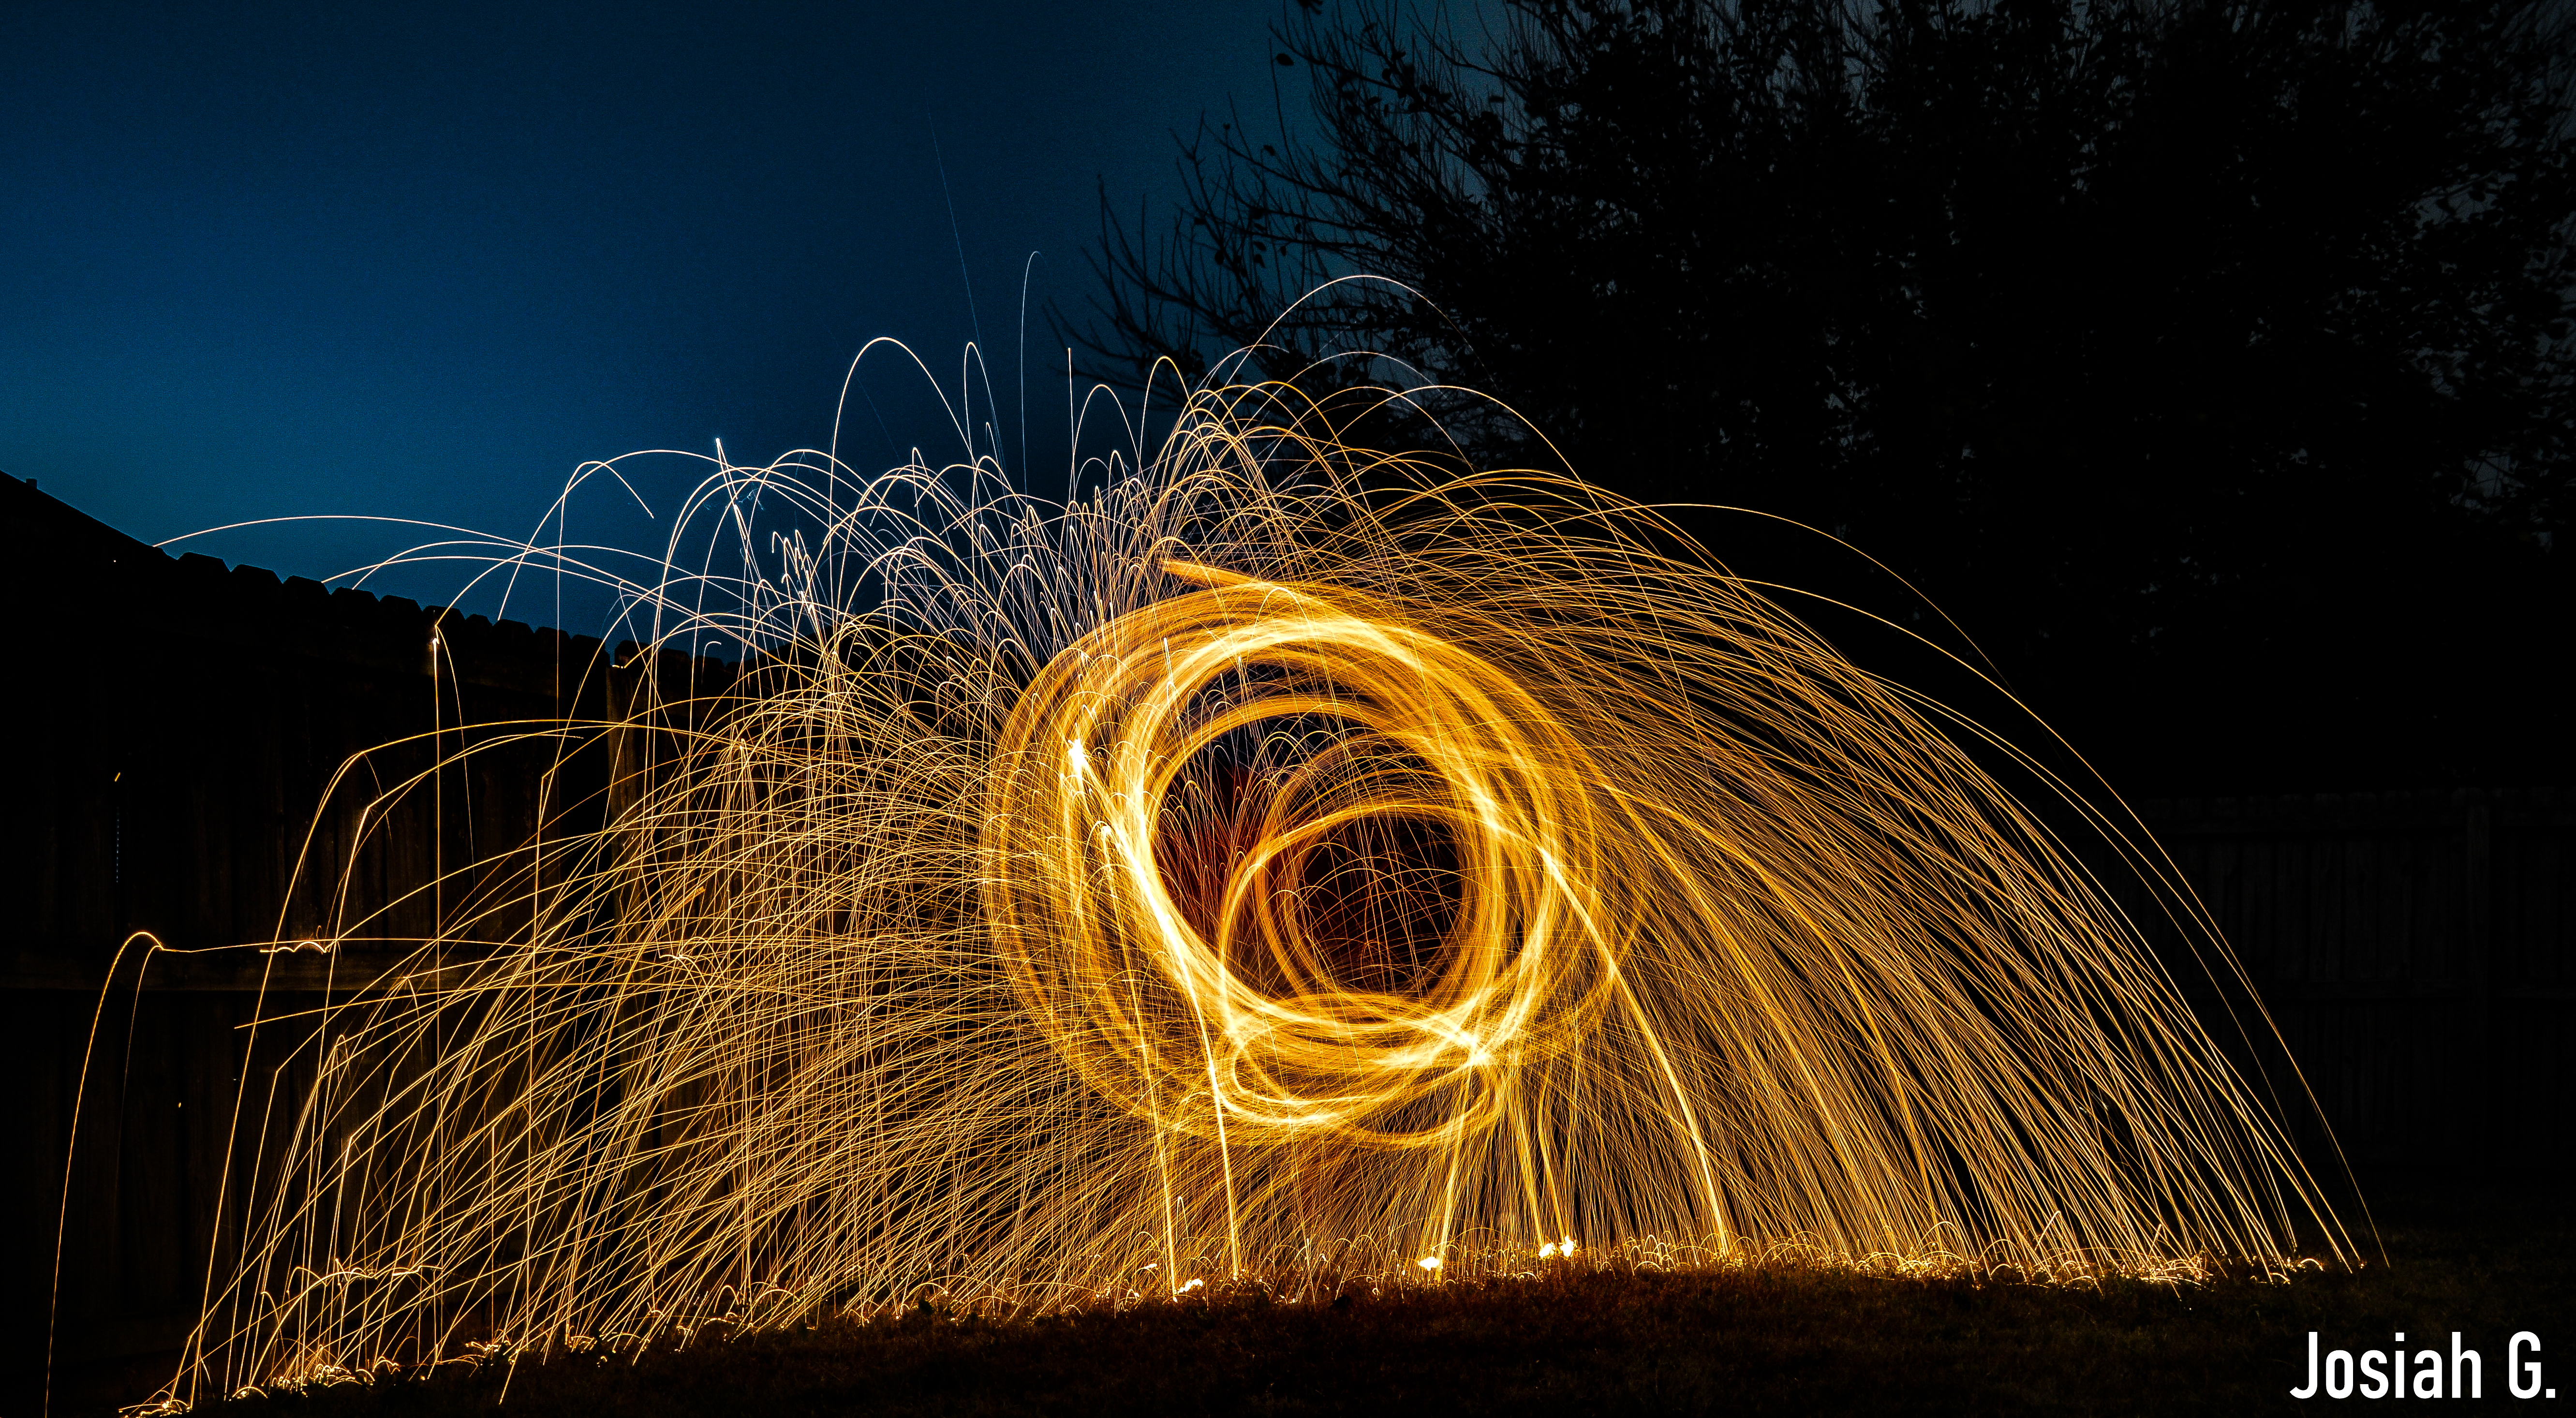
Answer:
x=2477 y=930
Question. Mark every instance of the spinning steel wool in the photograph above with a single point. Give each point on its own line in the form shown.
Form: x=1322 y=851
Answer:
x=1280 y=863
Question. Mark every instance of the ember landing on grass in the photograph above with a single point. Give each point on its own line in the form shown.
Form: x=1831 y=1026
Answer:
x=1774 y=1340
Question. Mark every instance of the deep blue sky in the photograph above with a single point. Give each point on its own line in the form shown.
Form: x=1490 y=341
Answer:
x=275 y=260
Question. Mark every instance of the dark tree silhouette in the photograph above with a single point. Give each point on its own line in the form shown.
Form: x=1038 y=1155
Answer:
x=2210 y=362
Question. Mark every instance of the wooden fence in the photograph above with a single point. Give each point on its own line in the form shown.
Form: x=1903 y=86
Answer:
x=174 y=727
x=2418 y=952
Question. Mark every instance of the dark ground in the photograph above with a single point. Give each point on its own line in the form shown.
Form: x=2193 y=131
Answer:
x=1779 y=1340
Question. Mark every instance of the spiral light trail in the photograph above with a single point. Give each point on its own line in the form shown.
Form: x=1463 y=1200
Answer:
x=1281 y=864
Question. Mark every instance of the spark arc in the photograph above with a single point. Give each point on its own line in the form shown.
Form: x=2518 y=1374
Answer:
x=1279 y=863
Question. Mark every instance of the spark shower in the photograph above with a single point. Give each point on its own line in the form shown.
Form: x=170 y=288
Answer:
x=1279 y=863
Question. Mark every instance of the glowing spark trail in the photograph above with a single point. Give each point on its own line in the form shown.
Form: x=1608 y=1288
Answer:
x=1280 y=862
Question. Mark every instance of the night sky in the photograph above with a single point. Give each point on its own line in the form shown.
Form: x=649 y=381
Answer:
x=293 y=260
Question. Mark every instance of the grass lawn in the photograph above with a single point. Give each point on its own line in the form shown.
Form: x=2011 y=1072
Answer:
x=1777 y=1340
